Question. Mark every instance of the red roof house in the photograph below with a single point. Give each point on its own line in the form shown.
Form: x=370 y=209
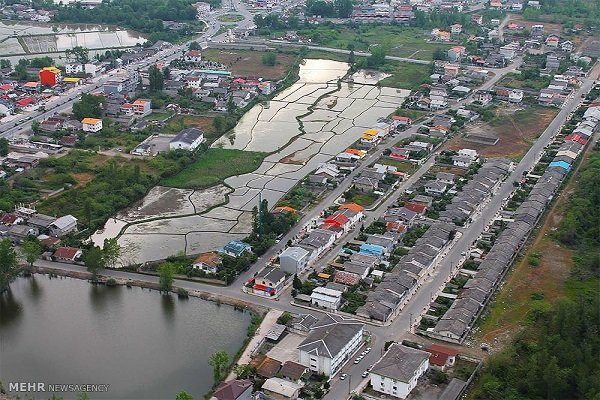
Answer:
x=67 y=254
x=416 y=207
x=25 y=102
x=577 y=138
x=441 y=357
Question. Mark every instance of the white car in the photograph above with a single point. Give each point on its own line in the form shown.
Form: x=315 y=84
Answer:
x=343 y=376
x=356 y=361
x=365 y=374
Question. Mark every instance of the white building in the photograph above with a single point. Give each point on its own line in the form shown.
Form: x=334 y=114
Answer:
x=63 y=226
x=515 y=96
x=188 y=139
x=91 y=125
x=278 y=388
x=326 y=298
x=294 y=260
x=330 y=344
x=397 y=372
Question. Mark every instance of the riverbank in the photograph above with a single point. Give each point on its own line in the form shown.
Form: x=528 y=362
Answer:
x=219 y=299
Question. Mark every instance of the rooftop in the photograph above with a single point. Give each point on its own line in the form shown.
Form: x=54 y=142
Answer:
x=400 y=362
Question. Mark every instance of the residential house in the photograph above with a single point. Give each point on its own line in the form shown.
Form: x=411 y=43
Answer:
x=442 y=357
x=91 y=125
x=552 y=40
x=515 y=96
x=193 y=56
x=445 y=177
x=435 y=188
x=330 y=343
x=67 y=254
x=50 y=76
x=567 y=46
x=208 y=262
x=397 y=372
x=317 y=242
x=269 y=281
x=455 y=29
x=552 y=62
x=364 y=184
x=63 y=226
x=281 y=389
x=236 y=389
x=18 y=233
x=399 y=121
x=236 y=248
x=142 y=107
x=402 y=214
x=188 y=139
x=293 y=371
x=416 y=207
x=294 y=260
x=326 y=298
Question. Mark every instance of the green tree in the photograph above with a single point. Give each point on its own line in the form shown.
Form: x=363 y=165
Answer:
x=219 y=361
x=111 y=252
x=94 y=261
x=3 y=147
x=8 y=263
x=88 y=106
x=377 y=57
x=351 y=58
x=343 y=8
x=4 y=63
x=79 y=54
x=194 y=46
x=166 y=72
x=244 y=371
x=156 y=79
x=165 y=277
x=269 y=59
x=36 y=127
x=32 y=250
x=184 y=396
x=297 y=283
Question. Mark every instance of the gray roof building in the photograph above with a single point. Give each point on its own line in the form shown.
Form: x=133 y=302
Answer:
x=400 y=363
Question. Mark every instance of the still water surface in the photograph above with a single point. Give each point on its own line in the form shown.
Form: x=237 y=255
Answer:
x=144 y=345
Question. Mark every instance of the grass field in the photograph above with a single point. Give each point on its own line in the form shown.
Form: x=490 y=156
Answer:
x=158 y=116
x=180 y=122
x=405 y=75
x=516 y=129
x=400 y=41
x=515 y=81
x=230 y=18
x=249 y=63
x=403 y=166
x=214 y=166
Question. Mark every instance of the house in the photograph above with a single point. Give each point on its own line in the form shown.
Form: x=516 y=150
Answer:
x=470 y=153
x=455 y=29
x=188 y=139
x=317 y=180
x=364 y=184
x=63 y=226
x=269 y=281
x=455 y=53
x=515 y=96
x=441 y=357
x=9 y=219
x=445 y=177
x=50 y=76
x=67 y=254
x=317 y=242
x=552 y=40
x=435 y=188
x=281 y=389
x=236 y=248
x=91 y=125
x=346 y=278
x=40 y=221
x=18 y=233
x=142 y=107
x=397 y=372
x=326 y=298
x=552 y=62
x=293 y=371
x=567 y=46
x=399 y=121
x=237 y=389
x=193 y=56
x=327 y=170
x=294 y=260
x=416 y=207
x=330 y=343
x=401 y=214
x=208 y=262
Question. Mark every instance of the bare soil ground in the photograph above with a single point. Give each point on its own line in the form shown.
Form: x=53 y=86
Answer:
x=548 y=27
x=249 y=63
x=516 y=127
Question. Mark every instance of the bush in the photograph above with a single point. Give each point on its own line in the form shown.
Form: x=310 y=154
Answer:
x=111 y=282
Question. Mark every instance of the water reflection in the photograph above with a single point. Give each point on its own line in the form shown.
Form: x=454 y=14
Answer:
x=10 y=308
x=35 y=289
x=167 y=303
x=103 y=297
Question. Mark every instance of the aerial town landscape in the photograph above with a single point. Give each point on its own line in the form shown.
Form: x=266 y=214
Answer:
x=287 y=199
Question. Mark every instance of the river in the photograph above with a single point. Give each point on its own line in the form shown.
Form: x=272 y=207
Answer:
x=142 y=344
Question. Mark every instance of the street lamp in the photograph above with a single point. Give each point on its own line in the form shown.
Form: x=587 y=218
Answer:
x=349 y=383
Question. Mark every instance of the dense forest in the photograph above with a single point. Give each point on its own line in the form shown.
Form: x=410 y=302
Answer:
x=556 y=355
x=567 y=11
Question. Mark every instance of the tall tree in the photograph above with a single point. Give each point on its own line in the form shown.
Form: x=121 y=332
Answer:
x=8 y=263
x=165 y=277
x=111 y=252
x=343 y=8
x=94 y=261
x=32 y=250
x=3 y=147
x=79 y=54
x=156 y=79
x=219 y=361
x=244 y=371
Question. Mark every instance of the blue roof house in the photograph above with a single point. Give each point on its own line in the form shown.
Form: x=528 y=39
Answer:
x=236 y=248
x=562 y=164
x=372 y=249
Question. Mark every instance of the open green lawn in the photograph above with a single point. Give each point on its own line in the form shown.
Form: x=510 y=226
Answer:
x=405 y=75
x=400 y=41
x=230 y=18
x=214 y=166
x=158 y=116
x=364 y=199
x=403 y=166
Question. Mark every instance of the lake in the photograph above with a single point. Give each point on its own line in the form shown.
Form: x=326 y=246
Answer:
x=144 y=345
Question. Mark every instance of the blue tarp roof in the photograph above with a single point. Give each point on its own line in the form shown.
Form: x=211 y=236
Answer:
x=367 y=248
x=562 y=164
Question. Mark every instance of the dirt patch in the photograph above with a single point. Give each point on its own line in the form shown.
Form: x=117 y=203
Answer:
x=82 y=178
x=249 y=63
x=548 y=26
x=290 y=160
x=516 y=128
